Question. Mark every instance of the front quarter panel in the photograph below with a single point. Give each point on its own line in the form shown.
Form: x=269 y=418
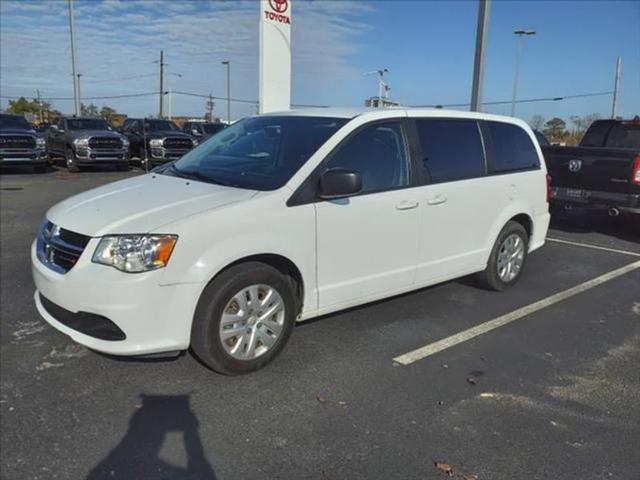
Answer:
x=210 y=241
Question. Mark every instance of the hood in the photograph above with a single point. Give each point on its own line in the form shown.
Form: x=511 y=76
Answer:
x=93 y=133
x=141 y=204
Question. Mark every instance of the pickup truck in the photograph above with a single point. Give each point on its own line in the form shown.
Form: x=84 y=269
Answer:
x=156 y=141
x=84 y=141
x=20 y=144
x=202 y=130
x=602 y=172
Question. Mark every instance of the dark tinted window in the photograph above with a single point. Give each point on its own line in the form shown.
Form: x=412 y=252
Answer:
x=213 y=127
x=542 y=140
x=452 y=149
x=86 y=124
x=378 y=152
x=596 y=133
x=14 y=121
x=624 y=135
x=160 y=126
x=511 y=148
x=259 y=153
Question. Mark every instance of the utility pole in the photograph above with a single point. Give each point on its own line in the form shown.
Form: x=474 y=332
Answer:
x=210 y=107
x=170 y=103
x=39 y=104
x=616 y=86
x=79 y=92
x=228 y=64
x=478 y=63
x=76 y=95
x=161 y=114
x=519 y=33
x=382 y=86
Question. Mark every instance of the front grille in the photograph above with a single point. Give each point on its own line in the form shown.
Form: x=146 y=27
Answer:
x=105 y=143
x=17 y=141
x=60 y=249
x=177 y=143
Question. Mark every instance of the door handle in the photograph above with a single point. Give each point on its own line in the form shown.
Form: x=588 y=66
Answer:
x=437 y=200
x=407 y=205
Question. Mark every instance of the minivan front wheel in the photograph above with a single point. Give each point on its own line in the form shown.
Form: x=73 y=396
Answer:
x=244 y=318
x=507 y=258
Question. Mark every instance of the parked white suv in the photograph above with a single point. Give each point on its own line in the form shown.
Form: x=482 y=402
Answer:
x=285 y=217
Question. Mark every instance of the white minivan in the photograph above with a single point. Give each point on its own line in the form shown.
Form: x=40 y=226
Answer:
x=284 y=217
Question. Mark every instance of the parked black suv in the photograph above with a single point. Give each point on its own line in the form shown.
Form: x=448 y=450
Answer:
x=20 y=144
x=155 y=141
x=83 y=141
x=202 y=130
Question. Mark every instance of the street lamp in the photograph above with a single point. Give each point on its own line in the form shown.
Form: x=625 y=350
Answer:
x=519 y=33
x=228 y=64
x=382 y=86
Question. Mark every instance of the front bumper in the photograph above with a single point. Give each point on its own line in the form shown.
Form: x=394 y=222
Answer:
x=90 y=156
x=596 y=199
x=16 y=156
x=153 y=318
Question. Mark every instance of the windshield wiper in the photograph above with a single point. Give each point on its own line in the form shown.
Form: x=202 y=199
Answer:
x=195 y=175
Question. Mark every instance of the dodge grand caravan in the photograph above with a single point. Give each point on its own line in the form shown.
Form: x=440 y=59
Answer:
x=284 y=217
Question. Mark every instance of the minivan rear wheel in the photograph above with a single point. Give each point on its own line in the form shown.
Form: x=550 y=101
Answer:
x=244 y=318
x=507 y=260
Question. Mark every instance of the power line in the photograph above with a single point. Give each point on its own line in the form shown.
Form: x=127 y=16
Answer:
x=124 y=78
x=527 y=100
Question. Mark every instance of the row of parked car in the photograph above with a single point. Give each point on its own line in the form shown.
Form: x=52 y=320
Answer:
x=85 y=141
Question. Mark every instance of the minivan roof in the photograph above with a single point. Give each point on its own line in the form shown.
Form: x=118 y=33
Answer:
x=342 y=112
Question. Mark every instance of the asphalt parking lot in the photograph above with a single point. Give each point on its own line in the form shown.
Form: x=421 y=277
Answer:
x=552 y=394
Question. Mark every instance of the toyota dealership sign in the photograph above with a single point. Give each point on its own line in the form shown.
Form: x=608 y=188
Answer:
x=275 y=55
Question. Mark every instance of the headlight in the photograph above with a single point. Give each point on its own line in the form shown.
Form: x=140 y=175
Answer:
x=135 y=253
x=195 y=141
x=81 y=142
x=40 y=142
x=155 y=142
x=125 y=142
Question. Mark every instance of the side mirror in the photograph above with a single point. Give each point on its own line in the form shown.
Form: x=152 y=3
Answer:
x=195 y=132
x=54 y=128
x=339 y=183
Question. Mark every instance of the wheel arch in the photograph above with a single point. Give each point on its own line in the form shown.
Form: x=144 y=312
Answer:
x=281 y=263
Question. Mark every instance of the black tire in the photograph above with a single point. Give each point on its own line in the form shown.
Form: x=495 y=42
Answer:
x=205 y=331
x=70 y=162
x=490 y=278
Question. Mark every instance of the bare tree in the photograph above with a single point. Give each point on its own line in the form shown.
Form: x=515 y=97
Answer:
x=537 y=122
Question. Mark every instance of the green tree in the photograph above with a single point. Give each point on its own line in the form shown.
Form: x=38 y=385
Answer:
x=108 y=113
x=22 y=106
x=555 y=128
x=88 y=111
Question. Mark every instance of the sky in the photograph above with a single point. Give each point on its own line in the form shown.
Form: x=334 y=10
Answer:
x=428 y=47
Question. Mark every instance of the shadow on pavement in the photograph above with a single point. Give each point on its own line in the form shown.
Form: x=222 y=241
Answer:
x=624 y=227
x=137 y=456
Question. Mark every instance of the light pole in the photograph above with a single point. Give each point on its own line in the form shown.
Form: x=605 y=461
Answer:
x=228 y=64
x=382 y=86
x=79 y=91
x=478 y=63
x=76 y=95
x=519 y=33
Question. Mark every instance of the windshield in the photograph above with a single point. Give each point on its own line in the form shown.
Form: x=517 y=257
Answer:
x=624 y=136
x=160 y=126
x=260 y=153
x=10 y=121
x=212 y=127
x=87 y=124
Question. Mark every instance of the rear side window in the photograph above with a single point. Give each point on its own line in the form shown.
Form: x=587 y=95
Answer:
x=511 y=148
x=451 y=149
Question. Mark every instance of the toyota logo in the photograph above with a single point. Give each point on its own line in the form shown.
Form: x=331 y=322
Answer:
x=279 y=6
x=575 y=165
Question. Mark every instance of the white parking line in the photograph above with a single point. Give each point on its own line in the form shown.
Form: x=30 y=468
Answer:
x=427 y=350
x=596 y=247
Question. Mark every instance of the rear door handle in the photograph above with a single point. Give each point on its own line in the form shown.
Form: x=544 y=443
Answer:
x=407 y=205
x=437 y=200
